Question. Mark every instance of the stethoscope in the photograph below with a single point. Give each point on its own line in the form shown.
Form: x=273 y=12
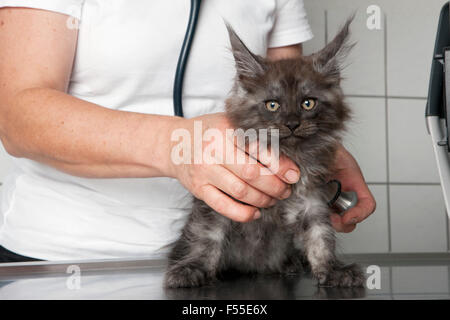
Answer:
x=182 y=59
x=340 y=201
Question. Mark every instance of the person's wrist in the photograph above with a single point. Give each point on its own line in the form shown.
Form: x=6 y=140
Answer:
x=153 y=145
x=168 y=167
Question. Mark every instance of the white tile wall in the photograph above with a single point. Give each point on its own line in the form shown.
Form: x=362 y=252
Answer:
x=411 y=157
x=424 y=279
x=366 y=137
x=316 y=18
x=418 y=219
x=372 y=235
x=387 y=64
x=411 y=26
x=411 y=29
x=364 y=74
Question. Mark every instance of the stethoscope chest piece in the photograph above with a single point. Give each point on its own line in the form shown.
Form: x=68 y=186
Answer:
x=340 y=201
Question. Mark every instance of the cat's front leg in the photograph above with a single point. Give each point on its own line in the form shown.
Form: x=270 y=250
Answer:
x=319 y=242
x=195 y=259
x=194 y=262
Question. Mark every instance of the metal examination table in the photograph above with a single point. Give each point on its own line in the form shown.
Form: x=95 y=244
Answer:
x=423 y=276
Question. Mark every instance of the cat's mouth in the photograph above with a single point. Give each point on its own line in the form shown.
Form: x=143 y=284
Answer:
x=290 y=137
x=302 y=131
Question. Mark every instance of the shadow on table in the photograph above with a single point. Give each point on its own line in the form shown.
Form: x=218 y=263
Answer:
x=264 y=287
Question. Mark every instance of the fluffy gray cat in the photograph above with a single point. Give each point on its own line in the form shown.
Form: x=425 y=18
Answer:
x=303 y=99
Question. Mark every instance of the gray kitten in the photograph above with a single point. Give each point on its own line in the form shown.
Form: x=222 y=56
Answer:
x=303 y=99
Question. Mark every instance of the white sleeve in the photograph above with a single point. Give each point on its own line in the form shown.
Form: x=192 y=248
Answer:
x=291 y=24
x=69 y=7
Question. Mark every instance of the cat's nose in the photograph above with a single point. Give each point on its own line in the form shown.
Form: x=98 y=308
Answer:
x=293 y=125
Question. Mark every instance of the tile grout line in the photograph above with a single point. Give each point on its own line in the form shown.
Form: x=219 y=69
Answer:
x=388 y=189
x=375 y=96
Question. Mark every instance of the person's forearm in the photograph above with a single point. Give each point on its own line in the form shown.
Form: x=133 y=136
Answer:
x=82 y=138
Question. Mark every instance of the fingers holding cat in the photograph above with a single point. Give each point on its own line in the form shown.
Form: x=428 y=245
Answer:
x=235 y=189
x=226 y=206
x=269 y=164
x=264 y=178
x=239 y=189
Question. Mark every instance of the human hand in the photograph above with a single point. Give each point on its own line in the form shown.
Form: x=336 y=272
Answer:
x=351 y=178
x=221 y=184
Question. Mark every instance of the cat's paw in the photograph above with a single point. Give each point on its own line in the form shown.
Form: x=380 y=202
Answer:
x=342 y=276
x=291 y=268
x=185 y=277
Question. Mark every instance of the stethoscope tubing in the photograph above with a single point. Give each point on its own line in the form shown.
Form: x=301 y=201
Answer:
x=183 y=58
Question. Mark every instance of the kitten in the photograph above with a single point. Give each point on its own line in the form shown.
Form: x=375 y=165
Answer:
x=303 y=99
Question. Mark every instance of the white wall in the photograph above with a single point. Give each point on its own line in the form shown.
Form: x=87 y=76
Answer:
x=386 y=85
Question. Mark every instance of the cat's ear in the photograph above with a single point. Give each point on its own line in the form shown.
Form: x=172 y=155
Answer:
x=248 y=65
x=329 y=60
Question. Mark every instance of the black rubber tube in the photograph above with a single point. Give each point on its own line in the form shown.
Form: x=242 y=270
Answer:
x=435 y=104
x=338 y=192
x=184 y=55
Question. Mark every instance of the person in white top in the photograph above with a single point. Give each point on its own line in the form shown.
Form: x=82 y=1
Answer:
x=86 y=113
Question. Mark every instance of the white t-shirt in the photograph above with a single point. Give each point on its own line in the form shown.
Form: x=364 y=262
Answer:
x=126 y=57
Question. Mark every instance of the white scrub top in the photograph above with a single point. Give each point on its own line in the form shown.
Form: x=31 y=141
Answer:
x=126 y=58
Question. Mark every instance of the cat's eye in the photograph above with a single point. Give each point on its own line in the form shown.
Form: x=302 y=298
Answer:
x=309 y=103
x=272 y=105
